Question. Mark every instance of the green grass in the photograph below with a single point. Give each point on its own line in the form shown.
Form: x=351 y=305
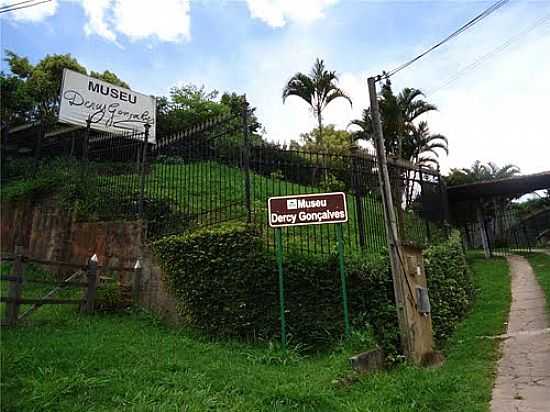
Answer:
x=541 y=265
x=61 y=360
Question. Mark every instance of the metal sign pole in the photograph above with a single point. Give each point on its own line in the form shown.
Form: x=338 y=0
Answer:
x=279 y=248
x=343 y=278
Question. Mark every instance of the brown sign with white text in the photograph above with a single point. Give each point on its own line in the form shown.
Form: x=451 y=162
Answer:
x=313 y=209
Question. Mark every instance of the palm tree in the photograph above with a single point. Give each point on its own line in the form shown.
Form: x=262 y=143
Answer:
x=399 y=114
x=421 y=147
x=480 y=172
x=318 y=89
x=495 y=172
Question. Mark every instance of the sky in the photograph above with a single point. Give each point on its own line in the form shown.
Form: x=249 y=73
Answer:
x=491 y=84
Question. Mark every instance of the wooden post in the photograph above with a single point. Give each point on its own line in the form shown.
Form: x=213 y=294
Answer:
x=15 y=288
x=138 y=275
x=91 y=275
x=391 y=223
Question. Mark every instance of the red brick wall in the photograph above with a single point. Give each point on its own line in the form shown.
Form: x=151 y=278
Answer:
x=49 y=232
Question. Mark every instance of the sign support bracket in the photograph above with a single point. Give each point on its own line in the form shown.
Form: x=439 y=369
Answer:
x=279 y=247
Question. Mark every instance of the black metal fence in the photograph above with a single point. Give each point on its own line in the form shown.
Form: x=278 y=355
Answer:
x=216 y=172
x=503 y=225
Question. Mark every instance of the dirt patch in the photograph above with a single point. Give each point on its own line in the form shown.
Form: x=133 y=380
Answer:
x=523 y=376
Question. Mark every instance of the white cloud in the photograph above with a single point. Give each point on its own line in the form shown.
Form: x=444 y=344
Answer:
x=498 y=112
x=167 y=20
x=95 y=11
x=276 y=13
x=34 y=13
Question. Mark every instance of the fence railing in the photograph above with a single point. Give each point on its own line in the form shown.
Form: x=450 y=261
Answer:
x=17 y=279
x=216 y=172
x=506 y=229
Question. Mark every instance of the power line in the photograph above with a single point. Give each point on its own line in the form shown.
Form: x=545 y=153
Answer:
x=499 y=49
x=462 y=29
x=7 y=6
x=14 y=7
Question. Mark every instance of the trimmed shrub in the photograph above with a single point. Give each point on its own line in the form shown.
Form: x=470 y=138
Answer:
x=450 y=284
x=226 y=283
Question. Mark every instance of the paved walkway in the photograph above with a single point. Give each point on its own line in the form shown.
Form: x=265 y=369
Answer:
x=523 y=376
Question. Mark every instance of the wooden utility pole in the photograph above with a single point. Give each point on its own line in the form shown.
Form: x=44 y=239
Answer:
x=390 y=219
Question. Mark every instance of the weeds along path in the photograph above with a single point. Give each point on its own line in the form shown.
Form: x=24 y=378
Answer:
x=523 y=376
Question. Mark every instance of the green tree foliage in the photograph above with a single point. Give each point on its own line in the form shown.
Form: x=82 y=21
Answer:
x=32 y=91
x=480 y=172
x=189 y=105
x=331 y=141
x=405 y=135
x=318 y=89
x=16 y=101
x=110 y=77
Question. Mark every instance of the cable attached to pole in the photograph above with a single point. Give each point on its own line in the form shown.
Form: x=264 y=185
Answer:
x=456 y=33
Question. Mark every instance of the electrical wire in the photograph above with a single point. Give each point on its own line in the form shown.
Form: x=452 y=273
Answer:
x=456 y=33
x=7 y=6
x=13 y=7
x=479 y=61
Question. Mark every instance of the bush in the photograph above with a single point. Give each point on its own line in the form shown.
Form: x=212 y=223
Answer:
x=226 y=283
x=112 y=297
x=450 y=284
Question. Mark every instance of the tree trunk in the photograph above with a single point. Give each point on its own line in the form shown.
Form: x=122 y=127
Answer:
x=322 y=143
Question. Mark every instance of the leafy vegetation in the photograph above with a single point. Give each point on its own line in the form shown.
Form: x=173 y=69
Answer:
x=450 y=284
x=479 y=172
x=541 y=265
x=32 y=91
x=61 y=360
x=405 y=135
x=318 y=89
x=226 y=282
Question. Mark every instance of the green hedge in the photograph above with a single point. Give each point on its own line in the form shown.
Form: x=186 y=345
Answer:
x=225 y=280
x=450 y=285
x=227 y=284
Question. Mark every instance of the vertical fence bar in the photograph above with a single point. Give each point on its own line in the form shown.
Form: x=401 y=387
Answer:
x=343 y=278
x=86 y=140
x=142 y=171
x=38 y=146
x=246 y=161
x=15 y=288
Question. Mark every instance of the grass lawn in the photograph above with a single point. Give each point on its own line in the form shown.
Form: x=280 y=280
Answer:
x=64 y=361
x=541 y=265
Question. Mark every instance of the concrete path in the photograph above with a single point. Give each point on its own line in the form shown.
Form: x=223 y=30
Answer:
x=523 y=375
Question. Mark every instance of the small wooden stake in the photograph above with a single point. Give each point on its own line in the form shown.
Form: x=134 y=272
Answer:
x=15 y=288
x=92 y=285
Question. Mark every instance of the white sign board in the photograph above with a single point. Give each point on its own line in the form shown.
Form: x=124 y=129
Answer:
x=110 y=108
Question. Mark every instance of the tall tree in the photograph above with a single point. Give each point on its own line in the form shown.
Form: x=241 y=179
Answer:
x=404 y=136
x=189 y=105
x=38 y=86
x=318 y=89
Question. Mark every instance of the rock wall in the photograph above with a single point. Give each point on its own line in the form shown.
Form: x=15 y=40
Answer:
x=48 y=232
